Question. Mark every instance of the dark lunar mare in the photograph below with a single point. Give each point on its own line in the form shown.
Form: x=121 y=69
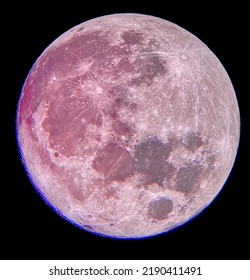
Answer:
x=150 y=159
x=159 y=208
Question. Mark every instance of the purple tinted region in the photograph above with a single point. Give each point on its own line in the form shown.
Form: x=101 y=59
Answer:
x=150 y=159
x=132 y=37
x=188 y=178
x=149 y=67
x=160 y=208
x=193 y=141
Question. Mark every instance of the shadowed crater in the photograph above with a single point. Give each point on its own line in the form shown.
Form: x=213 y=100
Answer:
x=150 y=158
x=160 y=208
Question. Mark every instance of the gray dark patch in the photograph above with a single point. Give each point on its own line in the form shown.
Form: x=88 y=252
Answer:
x=150 y=159
x=160 y=208
x=193 y=141
x=189 y=178
x=132 y=37
x=149 y=67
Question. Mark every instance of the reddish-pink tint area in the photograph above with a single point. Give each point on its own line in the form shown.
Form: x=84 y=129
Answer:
x=113 y=162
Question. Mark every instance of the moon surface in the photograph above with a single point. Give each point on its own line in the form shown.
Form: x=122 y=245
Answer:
x=128 y=125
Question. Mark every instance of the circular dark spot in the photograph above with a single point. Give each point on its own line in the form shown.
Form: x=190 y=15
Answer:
x=56 y=154
x=159 y=208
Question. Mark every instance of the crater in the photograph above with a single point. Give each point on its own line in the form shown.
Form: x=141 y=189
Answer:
x=184 y=57
x=160 y=208
x=113 y=162
x=56 y=154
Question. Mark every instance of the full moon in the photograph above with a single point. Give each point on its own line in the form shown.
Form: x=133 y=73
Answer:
x=128 y=125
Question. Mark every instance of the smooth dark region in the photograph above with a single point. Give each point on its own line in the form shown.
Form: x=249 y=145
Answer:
x=113 y=162
x=150 y=159
x=188 y=178
x=159 y=208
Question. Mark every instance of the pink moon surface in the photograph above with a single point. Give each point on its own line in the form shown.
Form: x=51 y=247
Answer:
x=128 y=125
